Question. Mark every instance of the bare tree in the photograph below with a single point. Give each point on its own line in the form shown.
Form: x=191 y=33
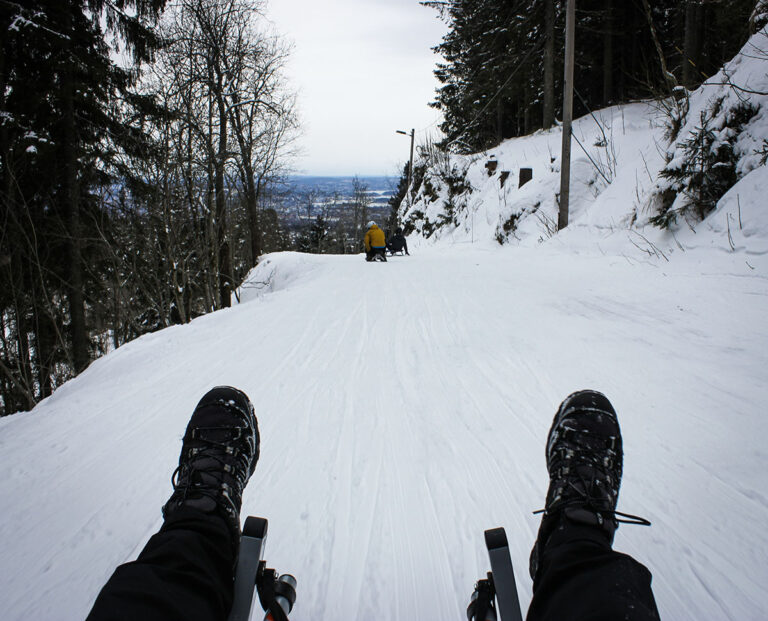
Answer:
x=203 y=35
x=263 y=121
x=237 y=122
x=360 y=202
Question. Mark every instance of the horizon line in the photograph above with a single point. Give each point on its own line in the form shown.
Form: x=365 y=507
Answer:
x=337 y=175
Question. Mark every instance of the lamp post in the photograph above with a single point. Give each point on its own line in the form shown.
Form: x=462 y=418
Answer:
x=410 y=163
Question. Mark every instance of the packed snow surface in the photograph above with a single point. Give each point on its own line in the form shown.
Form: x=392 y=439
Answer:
x=403 y=409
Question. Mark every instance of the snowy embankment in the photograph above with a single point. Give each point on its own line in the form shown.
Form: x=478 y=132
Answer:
x=403 y=410
x=618 y=155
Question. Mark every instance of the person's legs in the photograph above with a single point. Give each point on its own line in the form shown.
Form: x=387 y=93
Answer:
x=186 y=570
x=582 y=578
x=184 y=573
x=576 y=573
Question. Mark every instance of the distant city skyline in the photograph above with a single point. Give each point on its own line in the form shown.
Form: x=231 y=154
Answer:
x=362 y=69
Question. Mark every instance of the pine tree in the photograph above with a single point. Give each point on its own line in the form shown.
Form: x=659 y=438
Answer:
x=64 y=129
x=501 y=73
x=492 y=85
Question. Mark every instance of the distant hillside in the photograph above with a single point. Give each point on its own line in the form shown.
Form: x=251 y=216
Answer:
x=380 y=188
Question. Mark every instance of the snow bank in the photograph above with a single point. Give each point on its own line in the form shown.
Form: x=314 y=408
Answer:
x=276 y=272
x=740 y=222
x=718 y=135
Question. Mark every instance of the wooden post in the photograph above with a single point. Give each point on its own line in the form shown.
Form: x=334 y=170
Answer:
x=565 y=163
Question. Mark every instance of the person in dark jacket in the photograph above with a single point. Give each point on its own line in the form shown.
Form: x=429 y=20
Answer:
x=186 y=570
x=397 y=243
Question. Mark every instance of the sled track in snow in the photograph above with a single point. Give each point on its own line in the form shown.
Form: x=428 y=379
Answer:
x=403 y=409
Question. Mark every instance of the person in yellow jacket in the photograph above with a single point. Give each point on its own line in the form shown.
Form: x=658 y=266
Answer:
x=375 y=243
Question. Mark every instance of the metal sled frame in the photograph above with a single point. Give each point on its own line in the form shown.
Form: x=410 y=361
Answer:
x=503 y=575
x=499 y=587
x=277 y=594
x=251 y=550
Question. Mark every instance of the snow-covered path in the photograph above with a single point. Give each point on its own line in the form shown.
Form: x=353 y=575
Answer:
x=403 y=410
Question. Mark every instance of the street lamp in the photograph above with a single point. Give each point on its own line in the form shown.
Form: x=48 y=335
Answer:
x=410 y=163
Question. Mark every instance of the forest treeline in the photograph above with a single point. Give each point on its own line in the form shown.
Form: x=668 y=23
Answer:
x=502 y=61
x=138 y=145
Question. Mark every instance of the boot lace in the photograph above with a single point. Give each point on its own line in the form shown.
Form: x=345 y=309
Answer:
x=211 y=461
x=597 y=457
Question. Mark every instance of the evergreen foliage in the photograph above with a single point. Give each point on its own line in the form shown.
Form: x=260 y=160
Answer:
x=496 y=62
x=68 y=120
x=704 y=166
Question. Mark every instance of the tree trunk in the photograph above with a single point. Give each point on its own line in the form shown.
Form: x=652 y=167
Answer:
x=251 y=208
x=222 y=239
x=247 y=177
x=608 y=53
x=45 y=343
x=669 y=79
x=25 y=356
x=254 y=193
x=75 y=296
x=549 y=64
x=356 y=223
x=18 y=392
x=499 y=121
x=528 y=123
x=691 y=46
x=210 y=250
x=211 y=224
x=5 y=150
x=116 y=316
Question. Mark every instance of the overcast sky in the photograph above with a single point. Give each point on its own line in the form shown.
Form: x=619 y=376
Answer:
x=362 y=69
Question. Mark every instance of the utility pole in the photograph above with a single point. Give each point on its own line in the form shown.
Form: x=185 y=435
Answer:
x=565 y=159
x=410 y=163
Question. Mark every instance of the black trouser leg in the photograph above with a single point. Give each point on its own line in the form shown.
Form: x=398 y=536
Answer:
x=583 y=579
x=370 y=255
x=184 y=573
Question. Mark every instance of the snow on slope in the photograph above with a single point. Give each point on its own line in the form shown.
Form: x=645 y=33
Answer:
x=617 y=155
x=403 y=410
x=632 y=154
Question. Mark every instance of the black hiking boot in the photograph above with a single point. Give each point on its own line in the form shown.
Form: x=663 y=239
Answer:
x=218 y=456
x=584 y=460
